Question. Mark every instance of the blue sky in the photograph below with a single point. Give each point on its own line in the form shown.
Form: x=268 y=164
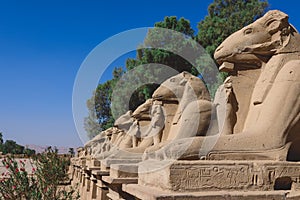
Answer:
x=43 y=43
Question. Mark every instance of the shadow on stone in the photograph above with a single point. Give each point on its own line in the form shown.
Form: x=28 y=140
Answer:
x=283 y=183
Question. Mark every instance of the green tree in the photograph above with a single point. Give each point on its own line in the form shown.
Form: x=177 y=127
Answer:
x=91 y=122
x=29 y=152
x=12 y=147
x=55 y=149
x=1 y=142
x=101 y=109
x=71 y=151
x=100 y=116
x=225 y=17
x=147 y=54
x=1 y=138
x=156 y=37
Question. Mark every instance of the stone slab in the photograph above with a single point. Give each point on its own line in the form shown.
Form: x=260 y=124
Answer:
x=92 y=163
x=219 y=175
x=116 y=193
x=150 y=193
x=294 y=195
x=124 y=171
x=111 y=180
x=92 y=168
x=100 y=172
x=101 y=184
x=102 y=193
x=105 y=164
x=112 y=196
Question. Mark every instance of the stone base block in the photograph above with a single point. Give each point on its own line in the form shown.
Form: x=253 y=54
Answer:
x=105 y=164
x=120 y=181
x=102 y=192
x=82 y=162
x=206 y=175
x=100 y=173
x=150 y=193
x=124 y=170
x=93 y=164
x=116 y=193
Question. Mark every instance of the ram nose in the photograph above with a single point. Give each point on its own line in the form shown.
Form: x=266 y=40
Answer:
x=219 y=48
x=219 y=54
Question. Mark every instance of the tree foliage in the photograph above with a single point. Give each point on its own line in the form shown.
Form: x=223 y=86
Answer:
x=101 y=116
x=29 y=152
x=147 y=53
x=11 y=147
x=152 y=58
x=71 y=151
x=225 y=17
x=1 y=138
x=99 y=106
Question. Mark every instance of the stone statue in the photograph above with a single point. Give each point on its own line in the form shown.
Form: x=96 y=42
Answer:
x=124 y=134
x=157 y=123
x=263 y=60
x=179 y=108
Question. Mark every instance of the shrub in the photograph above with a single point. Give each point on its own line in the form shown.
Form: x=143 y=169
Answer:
x=49 y=171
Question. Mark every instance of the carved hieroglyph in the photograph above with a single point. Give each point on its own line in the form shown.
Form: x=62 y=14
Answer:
x=263 y=60
x=219 y=175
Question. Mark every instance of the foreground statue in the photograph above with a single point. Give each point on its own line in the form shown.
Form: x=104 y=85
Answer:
x=267 y=54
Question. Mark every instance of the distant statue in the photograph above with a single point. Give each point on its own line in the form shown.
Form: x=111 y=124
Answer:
x=263 y=118
x=125 y=133
x=179 y=108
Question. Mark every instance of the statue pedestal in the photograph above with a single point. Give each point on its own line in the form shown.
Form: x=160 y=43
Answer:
x=150 y=193
x=93 y=163
x=121 y=174
x=220 y=175
x=211 y=180
x=105 y=164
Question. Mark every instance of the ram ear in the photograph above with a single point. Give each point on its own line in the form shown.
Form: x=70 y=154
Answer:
x=276 y=21
x=273 y=26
